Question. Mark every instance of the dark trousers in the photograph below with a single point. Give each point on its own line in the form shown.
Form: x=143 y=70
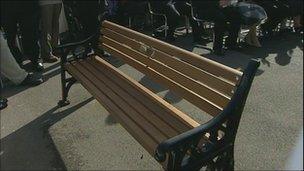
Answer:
x=29 y=24
x=87 y=12
x=135 y=9
x=226 y=19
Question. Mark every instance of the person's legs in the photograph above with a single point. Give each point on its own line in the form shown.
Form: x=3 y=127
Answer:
x=9 y=67
x=29 y=29
x=3 y=101
x=199 y=33
x=10 y=28
x=172 y=19
x=88 y=16
x=272 y=18
x=11 y=70
x=196 y=30
x=182 y=7
x=234 y=27
x=55 y=25
x=46 y=29
x=233 y=31
x=219 y=30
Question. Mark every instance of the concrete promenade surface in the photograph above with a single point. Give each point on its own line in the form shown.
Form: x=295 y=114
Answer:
x=36 y=134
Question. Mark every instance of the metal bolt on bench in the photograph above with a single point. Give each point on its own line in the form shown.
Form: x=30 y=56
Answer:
x=173 y=138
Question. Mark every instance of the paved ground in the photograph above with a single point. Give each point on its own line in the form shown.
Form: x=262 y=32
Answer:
x=36 y=134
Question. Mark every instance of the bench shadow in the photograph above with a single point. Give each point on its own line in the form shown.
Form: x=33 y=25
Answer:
x=170 y=96
x=32 y=147
x=281 y=46
x=151 y=85
x=116 y=62
x=110 y=120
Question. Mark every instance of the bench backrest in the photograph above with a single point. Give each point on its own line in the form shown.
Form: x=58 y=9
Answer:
x=207 y=84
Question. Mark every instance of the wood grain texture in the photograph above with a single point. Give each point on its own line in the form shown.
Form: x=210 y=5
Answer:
x=149 y=119
x=202 y=90
x=213 y=67
x=192 y=71
x=189 y=95
x=182 y=117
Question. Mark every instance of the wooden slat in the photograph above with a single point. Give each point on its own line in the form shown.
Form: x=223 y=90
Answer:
x=197 y=60
x=146 y=105
x=128 y=110
x=189 y=95
x=204 y=77
x=142 y=137
x=193 y=85
x=183 y=118
x=124 y=93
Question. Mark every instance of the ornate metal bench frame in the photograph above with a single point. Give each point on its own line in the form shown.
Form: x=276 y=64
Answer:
x=186 y=151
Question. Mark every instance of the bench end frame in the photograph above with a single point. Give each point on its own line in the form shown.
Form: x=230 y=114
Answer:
x=66 y=49
x=187 y=152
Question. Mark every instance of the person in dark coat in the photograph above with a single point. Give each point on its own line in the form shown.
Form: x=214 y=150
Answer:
x=225 y=18
x=24 y=14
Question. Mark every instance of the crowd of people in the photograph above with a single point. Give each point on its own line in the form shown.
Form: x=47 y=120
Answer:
x=226 y=16
x=37 y=23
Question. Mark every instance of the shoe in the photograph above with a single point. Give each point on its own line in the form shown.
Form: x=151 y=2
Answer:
x=31 y=80
x=3 y=103
x=50 y=59
x=38 y=66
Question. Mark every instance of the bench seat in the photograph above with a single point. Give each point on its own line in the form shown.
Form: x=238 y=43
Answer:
x=149 y=119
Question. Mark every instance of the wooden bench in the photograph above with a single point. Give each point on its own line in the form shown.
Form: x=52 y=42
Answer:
x=172 y=137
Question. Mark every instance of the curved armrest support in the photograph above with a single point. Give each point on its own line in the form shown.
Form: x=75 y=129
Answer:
x=231 y=113
x=74 y=44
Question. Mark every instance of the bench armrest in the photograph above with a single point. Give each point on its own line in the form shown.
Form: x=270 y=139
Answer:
x=230 y=115
x=188 y=138
x=75 y=44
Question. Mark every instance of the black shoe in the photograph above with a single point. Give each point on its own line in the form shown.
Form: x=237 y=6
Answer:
x=3 y=103
x=31 y=80
x=38 y=66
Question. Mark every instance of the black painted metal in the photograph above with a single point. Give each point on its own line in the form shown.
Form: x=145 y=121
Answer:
x=185 y=152
x=66 y=49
